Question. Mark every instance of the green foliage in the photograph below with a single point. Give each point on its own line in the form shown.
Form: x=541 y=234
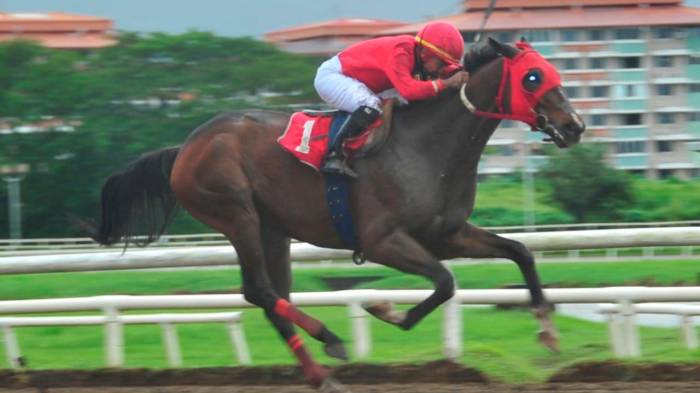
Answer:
x=662 y=200
x=583 y=185
x=502 y=216
x=148 y=92
x=500 y=202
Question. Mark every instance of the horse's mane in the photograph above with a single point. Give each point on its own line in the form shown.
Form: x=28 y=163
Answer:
x=479 y=55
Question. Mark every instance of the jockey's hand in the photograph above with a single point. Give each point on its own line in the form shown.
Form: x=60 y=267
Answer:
x=456 y=80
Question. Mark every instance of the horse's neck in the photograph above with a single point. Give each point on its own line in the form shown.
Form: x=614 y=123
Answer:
x=444 y=131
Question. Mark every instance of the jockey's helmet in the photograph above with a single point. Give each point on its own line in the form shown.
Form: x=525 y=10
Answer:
x=443 y=40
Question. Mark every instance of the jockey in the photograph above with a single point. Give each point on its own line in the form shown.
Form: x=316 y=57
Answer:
x=409 y=66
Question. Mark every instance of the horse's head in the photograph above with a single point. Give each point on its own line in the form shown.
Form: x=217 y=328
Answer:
x=530 y=91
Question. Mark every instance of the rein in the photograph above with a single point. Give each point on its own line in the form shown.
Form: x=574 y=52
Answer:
x=522 y=103
x=532 y=120
x=538 y=122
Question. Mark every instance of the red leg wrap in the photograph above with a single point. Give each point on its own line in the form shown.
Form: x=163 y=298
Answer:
x=287 y=311
x=295 y=342
x=283 y=309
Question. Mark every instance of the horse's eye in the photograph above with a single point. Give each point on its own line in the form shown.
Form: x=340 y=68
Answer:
x=532 y=80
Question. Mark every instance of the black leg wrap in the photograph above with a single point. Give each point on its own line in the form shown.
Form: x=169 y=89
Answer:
x=326 y=336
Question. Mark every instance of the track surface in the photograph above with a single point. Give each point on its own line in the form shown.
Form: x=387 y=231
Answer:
x=434 y=377
x=646 y=387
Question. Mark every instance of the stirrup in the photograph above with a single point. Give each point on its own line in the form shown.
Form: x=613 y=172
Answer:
x=336 y=165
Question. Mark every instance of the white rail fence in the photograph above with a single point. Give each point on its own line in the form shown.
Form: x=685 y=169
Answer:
x=212 y=239
x=114 y=337
x=452 y=320
x=624 y=334
x=226 y=256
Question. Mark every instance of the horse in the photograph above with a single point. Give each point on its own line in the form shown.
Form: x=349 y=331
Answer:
x=411 y=202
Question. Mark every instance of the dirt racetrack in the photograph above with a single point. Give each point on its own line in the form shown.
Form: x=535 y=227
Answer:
x=435 y=377
x=617 y=387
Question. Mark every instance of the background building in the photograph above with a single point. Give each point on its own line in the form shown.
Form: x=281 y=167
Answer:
x=631 y=68
x=57 y=30
x=327 y=38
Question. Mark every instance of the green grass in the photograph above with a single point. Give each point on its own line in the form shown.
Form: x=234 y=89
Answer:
x=500 y=343
x=486 y=275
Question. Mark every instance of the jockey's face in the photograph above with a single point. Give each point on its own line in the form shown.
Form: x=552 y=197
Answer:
x=432 y=66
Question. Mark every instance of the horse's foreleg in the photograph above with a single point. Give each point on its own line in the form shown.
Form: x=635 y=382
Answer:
x=474 y=242
x=402 y=252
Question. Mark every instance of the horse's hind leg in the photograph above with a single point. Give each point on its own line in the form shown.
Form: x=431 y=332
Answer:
x=231 y=211
x=276 y=248
x=474 y=242
x=258 y=289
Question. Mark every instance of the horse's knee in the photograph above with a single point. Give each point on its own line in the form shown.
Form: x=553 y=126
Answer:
x=252 y=296
x=444 y=285
x=258 y=296
x=521 y=255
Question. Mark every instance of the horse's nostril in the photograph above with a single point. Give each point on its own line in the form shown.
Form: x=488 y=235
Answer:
x=575 y=127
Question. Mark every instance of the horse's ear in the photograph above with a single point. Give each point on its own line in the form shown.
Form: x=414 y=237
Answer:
x=506 y=50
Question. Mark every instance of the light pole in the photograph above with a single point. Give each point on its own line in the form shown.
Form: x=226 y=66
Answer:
x=14 y=175
x=528 y=190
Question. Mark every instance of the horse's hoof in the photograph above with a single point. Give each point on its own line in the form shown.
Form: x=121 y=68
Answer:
x=385 y=311
x=337 y=351
x=331 y=385
x=549 y=340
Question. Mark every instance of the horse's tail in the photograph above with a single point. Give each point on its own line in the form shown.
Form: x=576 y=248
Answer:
x=138 y=200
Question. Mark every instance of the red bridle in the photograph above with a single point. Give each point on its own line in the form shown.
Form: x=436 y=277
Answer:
x=522 y=101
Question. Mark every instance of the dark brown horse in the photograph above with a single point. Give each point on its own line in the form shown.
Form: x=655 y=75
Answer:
x=410 y=204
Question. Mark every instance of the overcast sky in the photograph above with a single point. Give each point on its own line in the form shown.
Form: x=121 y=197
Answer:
x=239 y=17
x=235 y=17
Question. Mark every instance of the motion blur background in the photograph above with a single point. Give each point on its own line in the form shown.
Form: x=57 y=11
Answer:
x=86 y=86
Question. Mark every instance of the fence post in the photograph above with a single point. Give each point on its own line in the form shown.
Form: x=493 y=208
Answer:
x=611 y=253
x=114 y=338
x=688 y=332
x=172 y=344
x=687 y=251
x=361 y=334
x=240 y=346
x=617 y=339
x=452 y=328
x=11 y=347
x=631 y=334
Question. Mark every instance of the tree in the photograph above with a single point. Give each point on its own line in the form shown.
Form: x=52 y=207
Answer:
x=583 y=185
x=183 y=80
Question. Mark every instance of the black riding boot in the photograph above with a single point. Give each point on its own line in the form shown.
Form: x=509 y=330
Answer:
x=357 y=122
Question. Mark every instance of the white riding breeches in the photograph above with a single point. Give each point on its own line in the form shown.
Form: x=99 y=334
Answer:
x=344 y=92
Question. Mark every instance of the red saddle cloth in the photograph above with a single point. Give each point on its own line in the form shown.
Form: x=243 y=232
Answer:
x=306 y=137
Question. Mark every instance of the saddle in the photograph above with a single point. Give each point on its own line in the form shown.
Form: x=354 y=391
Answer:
x=307 y=135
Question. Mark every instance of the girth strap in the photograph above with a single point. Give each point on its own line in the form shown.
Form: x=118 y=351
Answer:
x=337 y=196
